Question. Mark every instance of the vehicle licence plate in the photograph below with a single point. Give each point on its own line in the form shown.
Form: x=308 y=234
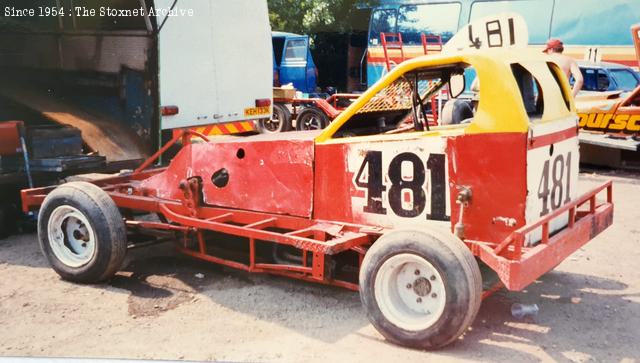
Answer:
x=256 y=111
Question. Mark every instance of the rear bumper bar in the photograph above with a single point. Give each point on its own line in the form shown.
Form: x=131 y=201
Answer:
x=517 y=266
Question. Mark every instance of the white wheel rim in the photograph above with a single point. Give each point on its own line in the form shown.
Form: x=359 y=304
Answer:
x=410 y=292
x=71 y=237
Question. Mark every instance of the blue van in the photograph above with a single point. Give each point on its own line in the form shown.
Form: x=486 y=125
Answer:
x=292 y=62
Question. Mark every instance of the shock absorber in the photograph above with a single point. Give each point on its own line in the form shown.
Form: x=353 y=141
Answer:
x=463 y=199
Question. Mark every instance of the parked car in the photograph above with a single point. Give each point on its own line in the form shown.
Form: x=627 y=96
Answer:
x=292 y=62
x=605 y=76
x=612 y=112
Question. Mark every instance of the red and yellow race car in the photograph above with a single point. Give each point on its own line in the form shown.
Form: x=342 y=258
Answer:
x=610 y=112
x=610 y=120
x=381 y=201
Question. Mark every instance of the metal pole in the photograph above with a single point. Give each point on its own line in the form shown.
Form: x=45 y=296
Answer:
x=147 y=21
x=25 y=154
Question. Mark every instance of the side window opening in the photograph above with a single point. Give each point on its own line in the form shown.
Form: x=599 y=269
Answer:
x=382 y=21
x=556 y=72
x=603 y=81
x=590 y=80
x=296 y=50
x=530 y=91
x=278 y=47
x=625 y=79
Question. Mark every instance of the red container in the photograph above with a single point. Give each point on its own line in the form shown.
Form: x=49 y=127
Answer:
x=10 y=137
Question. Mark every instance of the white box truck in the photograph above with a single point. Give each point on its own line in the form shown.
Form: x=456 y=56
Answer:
x=126 y=72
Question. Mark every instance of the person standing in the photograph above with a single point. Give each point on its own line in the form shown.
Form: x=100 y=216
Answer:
x=554 y=48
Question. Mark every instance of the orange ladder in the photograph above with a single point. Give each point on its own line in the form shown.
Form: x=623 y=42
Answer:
x=431 y=40
x=635 y=34
x=391 y=41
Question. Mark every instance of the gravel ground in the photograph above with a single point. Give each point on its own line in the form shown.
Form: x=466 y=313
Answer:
x=164 y=306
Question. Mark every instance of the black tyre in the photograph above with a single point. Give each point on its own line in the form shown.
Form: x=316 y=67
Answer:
x=279 y=122
x=311 y=118
x=420 y=289
x=82 y=233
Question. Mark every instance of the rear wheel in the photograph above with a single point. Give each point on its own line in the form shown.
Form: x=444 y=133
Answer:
x=311 y=118
x=279 y=122
x=82 y=233
x=420 y=290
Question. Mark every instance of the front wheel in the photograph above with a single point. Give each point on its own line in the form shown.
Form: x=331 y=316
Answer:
x=419 y=289
x=311 y=118
x=82 y=233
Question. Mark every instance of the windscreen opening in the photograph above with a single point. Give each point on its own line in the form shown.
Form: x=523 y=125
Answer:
x=625 y=80
x=410 y=103
x=530 y=91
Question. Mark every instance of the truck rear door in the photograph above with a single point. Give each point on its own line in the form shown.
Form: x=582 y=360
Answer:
x=215 y=64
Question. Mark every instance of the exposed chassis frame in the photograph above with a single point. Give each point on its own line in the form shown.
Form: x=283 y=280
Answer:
x=329 y=106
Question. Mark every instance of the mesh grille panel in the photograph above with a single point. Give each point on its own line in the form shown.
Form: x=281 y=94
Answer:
x=397 y=95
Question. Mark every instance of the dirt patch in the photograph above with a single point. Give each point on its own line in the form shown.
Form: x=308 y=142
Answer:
x=154 y=291
x=157 y=308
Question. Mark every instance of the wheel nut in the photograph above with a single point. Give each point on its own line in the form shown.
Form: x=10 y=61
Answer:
x=417 y=272
x=433 y=277
x=434 y=295
x=409 y=286
x=419 y=300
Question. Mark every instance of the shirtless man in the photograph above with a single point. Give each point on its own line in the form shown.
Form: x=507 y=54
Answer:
x=568 y=65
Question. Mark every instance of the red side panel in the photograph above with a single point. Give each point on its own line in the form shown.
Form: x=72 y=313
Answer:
x=494 y=166
x=10 y=138
x=272 y=176
x=387 y=182
x=333 y=192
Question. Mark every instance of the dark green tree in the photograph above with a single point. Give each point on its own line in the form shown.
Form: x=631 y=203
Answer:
x=332 y=26
x=312 y=16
